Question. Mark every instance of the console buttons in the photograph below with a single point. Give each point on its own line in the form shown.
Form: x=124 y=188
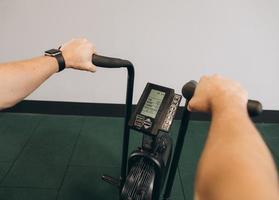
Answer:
x=139 y=122
x=170 y=113
x=177 y=97
x=147 y=123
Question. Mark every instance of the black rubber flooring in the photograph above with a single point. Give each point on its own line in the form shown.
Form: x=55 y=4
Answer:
x=53 y=157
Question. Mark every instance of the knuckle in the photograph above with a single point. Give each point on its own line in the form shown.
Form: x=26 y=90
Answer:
x=218 y=76
x=204 y=77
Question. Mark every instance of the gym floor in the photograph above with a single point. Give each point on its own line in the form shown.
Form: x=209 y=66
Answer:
x=55 y=157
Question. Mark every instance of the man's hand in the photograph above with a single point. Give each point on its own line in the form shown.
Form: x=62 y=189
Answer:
x=216 y=93
x=78 y=54
x=235 y=162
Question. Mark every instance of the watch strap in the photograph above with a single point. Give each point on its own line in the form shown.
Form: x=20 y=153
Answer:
x=61 y=62
x=57 y=53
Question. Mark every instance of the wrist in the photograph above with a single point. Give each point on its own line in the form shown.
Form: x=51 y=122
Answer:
x=230 y=108
x=51 y=63
x=57 y=54
x=67 y=59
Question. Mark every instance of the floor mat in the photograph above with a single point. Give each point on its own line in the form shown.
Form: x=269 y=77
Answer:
x=47 y=157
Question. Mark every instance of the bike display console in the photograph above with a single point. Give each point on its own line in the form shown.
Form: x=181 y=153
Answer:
x=155 y=110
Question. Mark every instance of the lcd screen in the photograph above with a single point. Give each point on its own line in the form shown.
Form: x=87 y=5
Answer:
x=153 y=103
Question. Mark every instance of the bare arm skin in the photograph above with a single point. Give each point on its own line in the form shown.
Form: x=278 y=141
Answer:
x=19 y=79
x=235 y=163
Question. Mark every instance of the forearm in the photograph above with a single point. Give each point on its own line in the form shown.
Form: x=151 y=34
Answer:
x=235 y=161
x=19 y=79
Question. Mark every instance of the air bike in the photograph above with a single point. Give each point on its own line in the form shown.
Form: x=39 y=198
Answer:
x=152 y=167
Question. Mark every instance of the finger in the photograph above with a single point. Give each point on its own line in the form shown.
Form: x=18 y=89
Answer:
x=191 y=105
x=203 y=78
x=93 y=49
x=189 y=108
x=90 y=67
x=196 y=105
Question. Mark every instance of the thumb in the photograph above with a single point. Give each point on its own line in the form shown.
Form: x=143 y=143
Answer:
x=190 y=106
x=194 y=105
x=90 y=67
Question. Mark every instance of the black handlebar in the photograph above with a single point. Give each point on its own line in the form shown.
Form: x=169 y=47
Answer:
x=254 y=107
x=189 y=89
x=107 y=62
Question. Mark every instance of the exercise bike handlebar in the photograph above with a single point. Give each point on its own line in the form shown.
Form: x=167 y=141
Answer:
x=254 y=107
x=108 y=62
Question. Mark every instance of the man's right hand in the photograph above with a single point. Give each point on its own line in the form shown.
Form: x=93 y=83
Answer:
x=216 y=93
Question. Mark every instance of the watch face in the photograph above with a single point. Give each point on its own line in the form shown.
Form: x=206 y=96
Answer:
x=53 y=52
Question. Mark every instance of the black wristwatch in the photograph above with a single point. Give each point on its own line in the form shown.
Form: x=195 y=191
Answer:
x=59 y=57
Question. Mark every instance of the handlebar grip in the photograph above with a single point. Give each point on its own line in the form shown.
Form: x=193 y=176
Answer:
x=254 y=107
x=188 y=89
x=108 y=62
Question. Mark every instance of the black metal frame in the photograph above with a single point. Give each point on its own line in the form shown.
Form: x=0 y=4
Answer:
x=107 y=62
x=126 y=135
x=177 y=151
